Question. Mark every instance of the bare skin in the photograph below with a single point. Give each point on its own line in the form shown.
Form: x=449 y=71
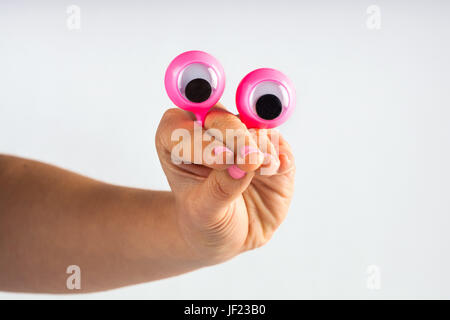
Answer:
x=51 y=218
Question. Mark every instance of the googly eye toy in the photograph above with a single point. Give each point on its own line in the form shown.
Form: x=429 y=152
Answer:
x=265 y=98
x=195 y=81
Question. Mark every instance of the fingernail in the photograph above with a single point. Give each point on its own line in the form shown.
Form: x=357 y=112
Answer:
x=271 y=164
x=218 y=152
x=236 y=173
x=221 y=149
x=246 y=150
x=255 y=155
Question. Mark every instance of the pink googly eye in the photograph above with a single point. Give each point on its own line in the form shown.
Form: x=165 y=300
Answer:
x=195 y=81
x=265 y=98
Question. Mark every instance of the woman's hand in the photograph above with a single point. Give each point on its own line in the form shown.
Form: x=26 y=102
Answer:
x=230 y=195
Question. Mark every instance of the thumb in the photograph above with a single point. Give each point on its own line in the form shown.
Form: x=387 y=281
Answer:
x=219 y=190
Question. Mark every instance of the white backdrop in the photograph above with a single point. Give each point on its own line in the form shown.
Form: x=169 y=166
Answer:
x=371 y=132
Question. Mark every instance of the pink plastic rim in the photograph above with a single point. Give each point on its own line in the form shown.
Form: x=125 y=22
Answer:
x=176 y=68
x=245 y=89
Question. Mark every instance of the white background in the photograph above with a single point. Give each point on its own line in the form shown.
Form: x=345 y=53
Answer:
x=371 y=132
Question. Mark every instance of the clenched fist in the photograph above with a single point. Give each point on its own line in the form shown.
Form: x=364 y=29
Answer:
x=232 y=191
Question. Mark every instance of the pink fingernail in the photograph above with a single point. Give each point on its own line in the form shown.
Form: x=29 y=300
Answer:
x=221 y=149
x=246 y=150
x=235 y=172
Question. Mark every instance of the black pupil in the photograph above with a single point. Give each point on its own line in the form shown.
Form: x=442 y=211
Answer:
x=268 y=107
x=198 y=90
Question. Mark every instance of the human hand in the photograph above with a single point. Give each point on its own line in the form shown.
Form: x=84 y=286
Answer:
x=230 y=197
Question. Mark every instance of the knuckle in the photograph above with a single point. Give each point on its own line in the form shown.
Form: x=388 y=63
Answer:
x=168 y=120
x=170 y=114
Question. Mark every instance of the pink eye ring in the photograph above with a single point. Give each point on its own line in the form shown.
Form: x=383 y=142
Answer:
x=195 y=81
x=265 y=98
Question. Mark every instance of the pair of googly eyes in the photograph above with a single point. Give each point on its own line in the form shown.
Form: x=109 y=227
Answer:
x=195 y=81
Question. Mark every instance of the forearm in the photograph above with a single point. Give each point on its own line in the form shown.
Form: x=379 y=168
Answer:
x=51 y=218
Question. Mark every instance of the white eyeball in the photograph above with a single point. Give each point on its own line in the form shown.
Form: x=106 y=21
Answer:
x=197 y=82
x=268 y=99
